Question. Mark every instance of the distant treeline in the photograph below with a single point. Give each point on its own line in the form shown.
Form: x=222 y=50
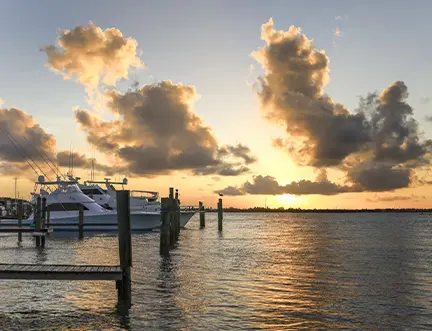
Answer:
x=300 y=210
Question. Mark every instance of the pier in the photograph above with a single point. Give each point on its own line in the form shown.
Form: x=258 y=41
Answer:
x=120 y=273
x=59 y=272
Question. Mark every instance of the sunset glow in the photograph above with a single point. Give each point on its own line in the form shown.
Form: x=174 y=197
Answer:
x=275 y=110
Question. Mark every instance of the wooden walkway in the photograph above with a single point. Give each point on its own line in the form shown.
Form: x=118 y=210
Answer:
x=23 y=229
x=121 y=274
x=60 y=272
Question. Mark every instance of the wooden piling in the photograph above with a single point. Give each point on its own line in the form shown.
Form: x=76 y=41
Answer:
x=165 y=227
x=43 y=220
x=20 y=216
x=220 y=214
x=43 y=212
x=81 y=222
x=125 y=247
x=177 y=215
x=37 y=217
x=48 y=218
x=201 y=215
x=172 y=217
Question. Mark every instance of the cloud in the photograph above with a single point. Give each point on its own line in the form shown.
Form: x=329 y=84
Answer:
x=64 y=159
x=341 y=18
x=240 y=151
x=428 y=118
x=268 y=185
x=230 y=190
x=425 y=100
x=397 y=198
x=93 y=56
x=382 y=178
x=337 y=32
x=291 y=94
x=67 y=159
x=21 y=135
x=23 y=141
x=156 y=132
x=379 y=137
x=251 y=69
x=262 y=185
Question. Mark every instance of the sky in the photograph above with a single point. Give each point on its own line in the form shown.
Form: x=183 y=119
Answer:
x=224 y=96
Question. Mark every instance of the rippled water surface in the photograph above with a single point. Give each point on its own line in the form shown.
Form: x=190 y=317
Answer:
x=265 y=271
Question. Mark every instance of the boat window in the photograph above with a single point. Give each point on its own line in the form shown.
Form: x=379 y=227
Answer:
x=88 y=191
x=65 y=206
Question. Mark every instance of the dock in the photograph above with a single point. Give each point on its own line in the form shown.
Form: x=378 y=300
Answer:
x=16 y=229
x=59 y=272
x=121 y=274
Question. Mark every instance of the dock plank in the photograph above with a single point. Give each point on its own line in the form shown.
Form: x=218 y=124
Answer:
x=22 y=230
x=59 y=272
x=76 y=268
x=51 y=268
x=25 y=267
x=43 y=268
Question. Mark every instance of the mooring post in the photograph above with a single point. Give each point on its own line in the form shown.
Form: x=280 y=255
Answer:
x=220 y=214
x=165 y=230
x=20 y=216
x=125 y=247
x=37 y=216
x=81 y=222
x=48 y=217
x=202 y=215
x=172 y=217
x=177 y=214
x=43 y=216
x=43 y=209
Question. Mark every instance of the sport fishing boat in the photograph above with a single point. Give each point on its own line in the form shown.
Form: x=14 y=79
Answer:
x=140 y=200
x=65 y=200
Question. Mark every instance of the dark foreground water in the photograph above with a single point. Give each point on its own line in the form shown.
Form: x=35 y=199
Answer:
x=265 y=271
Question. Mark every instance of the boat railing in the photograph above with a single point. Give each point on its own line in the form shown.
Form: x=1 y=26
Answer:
x=189 y=208
x=144 y=194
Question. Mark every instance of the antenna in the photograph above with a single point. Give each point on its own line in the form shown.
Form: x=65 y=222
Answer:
x=69 y=164
x=50 y=163
x=24 y=153
x=72 y=160
x=92 y=167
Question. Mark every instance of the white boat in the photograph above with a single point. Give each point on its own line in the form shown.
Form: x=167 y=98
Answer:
x=66 y=199
x=140 y=200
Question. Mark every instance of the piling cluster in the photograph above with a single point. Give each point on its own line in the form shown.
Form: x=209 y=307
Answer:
x=170 y=221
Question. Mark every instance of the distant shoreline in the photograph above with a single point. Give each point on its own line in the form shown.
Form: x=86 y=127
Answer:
x=298 y=210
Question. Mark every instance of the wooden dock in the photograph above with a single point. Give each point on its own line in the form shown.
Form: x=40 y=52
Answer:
x=16 y=229
x=121 y=273
x=59 y=272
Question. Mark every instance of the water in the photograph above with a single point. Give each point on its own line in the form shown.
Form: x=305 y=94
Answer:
x=266 y=271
